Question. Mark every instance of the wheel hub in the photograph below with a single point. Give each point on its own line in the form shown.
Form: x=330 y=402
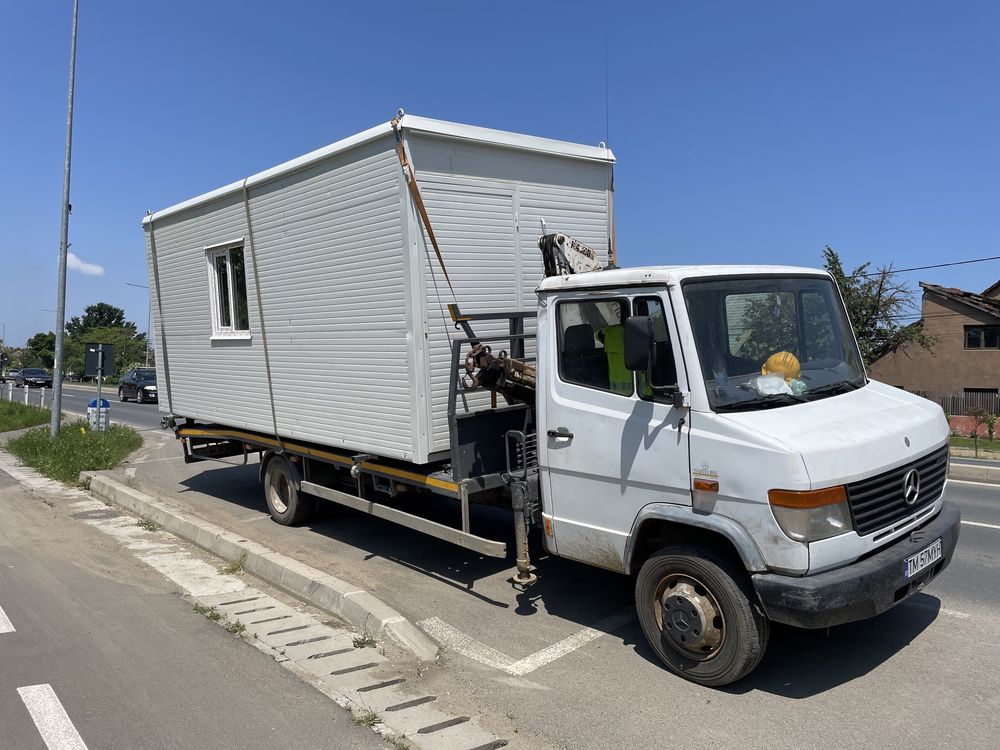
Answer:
x=690 y=618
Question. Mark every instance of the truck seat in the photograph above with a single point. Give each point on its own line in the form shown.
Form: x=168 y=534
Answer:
x=582 y=361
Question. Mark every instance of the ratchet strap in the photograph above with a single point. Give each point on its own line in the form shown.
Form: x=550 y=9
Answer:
x=411 y=181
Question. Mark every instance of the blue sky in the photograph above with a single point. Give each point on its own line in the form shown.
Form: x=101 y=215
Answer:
x=745 y=132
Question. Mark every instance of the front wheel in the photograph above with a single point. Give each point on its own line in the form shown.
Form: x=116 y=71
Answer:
x=285 y=503
x=699 y=613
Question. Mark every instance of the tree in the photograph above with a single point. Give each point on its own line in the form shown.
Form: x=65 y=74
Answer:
x=876 y=303
x=100 y=315
x=40 y=350
x=129 y=346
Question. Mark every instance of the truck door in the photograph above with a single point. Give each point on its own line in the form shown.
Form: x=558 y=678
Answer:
x=608 y=446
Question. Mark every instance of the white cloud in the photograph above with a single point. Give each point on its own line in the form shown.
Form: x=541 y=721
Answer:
x=73 y=263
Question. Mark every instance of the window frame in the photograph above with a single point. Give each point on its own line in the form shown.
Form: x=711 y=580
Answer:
x=981 y=329
x=657 y=398
x=626 y=304
x=219 y=331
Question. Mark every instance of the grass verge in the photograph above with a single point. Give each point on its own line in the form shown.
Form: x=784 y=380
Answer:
x=74 y=449
x=985 y=444
x=15 y=416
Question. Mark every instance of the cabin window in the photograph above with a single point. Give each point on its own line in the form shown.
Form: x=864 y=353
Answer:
x=228 y=283
x=590 y=345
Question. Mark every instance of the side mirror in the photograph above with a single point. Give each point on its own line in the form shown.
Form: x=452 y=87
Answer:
x=638 y=335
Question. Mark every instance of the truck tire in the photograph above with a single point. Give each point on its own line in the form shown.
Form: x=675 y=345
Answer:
x=285 y=503
x=700 y=615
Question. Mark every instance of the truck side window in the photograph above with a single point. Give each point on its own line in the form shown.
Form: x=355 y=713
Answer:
x=664 y=367
x=590 y=345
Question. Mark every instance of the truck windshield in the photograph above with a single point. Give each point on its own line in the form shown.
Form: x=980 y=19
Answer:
x=767 y=342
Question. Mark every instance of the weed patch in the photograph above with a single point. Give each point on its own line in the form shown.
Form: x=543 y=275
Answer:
x=15 y=416
x=74 y=449
x=367 y=719
x=148 y=524
x=365 y=641
x=235 y=567
x=210 y=612
x=236 y=627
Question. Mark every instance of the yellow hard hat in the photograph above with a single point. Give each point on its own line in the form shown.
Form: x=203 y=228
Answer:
x=781 y=363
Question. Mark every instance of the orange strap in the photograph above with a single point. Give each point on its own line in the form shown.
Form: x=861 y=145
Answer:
x=411 y=181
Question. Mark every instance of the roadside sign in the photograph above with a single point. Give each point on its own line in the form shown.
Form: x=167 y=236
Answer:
x=98 y=359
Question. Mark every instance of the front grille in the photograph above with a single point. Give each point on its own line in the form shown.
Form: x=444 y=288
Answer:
x=878 y=502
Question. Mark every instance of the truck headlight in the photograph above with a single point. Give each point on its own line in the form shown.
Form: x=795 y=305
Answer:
x=813 y=514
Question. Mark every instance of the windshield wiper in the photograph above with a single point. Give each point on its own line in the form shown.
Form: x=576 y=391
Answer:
x=842 y=386
x=762 y=402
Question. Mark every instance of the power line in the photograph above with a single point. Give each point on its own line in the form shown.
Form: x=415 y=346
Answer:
x=924 y=268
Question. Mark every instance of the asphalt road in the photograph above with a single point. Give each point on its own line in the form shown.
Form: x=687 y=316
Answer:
x=566 y=660
x=96 y=649
x=77 y=396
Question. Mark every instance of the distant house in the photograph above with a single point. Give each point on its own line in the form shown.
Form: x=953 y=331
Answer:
x=964 y=363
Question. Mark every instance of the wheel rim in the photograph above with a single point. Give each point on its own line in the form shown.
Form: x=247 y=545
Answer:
x=278 y=490
x=688 y=616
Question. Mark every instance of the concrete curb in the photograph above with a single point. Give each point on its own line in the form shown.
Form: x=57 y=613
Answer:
x=972 y=473
x=320 y=589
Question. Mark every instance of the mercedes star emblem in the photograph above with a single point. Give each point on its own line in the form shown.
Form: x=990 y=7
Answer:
x=911 y=486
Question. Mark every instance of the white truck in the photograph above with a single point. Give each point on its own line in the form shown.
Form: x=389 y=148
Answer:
x=708 y=429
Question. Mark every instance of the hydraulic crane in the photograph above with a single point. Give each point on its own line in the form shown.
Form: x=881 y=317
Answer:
x=513 y=378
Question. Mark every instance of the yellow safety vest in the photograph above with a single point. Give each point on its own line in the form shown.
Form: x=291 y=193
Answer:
x=619 y=375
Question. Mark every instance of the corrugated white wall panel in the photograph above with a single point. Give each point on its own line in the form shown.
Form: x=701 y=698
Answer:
x=336 y=301
x=354 y=302
x=211 y=380
x=485 y=203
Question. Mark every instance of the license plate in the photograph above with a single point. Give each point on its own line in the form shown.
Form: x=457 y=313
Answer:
x=915 y=563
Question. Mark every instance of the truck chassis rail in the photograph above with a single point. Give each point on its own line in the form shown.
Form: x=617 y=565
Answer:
x=206 y=442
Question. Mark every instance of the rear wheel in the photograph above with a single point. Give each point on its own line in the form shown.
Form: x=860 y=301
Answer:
x=121 y=395
x=699 y=614
x=285 y=503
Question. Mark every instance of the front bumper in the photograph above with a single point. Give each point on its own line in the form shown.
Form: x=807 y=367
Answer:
x=864 y=588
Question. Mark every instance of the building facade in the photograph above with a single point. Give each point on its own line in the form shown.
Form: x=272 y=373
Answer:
x=964 y=365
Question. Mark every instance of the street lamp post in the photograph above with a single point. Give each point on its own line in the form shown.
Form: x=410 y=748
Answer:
x=64 y=243
x=149 y=315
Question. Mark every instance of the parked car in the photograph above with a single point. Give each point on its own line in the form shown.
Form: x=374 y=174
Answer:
x=12 y=376
x=139 y=384
x=33 y=376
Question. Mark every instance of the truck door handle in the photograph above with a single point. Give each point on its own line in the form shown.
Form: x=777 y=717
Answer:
x=562 y=432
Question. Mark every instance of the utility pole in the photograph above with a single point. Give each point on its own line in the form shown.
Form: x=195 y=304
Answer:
x=57 y=367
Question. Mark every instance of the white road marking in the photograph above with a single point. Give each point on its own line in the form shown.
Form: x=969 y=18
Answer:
x=50 y=717
x=955 y=614
x=969 y=481
x=940 y=610
x=154 y=460
x=456 y=640
x=6 y=626
x=984 y=525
